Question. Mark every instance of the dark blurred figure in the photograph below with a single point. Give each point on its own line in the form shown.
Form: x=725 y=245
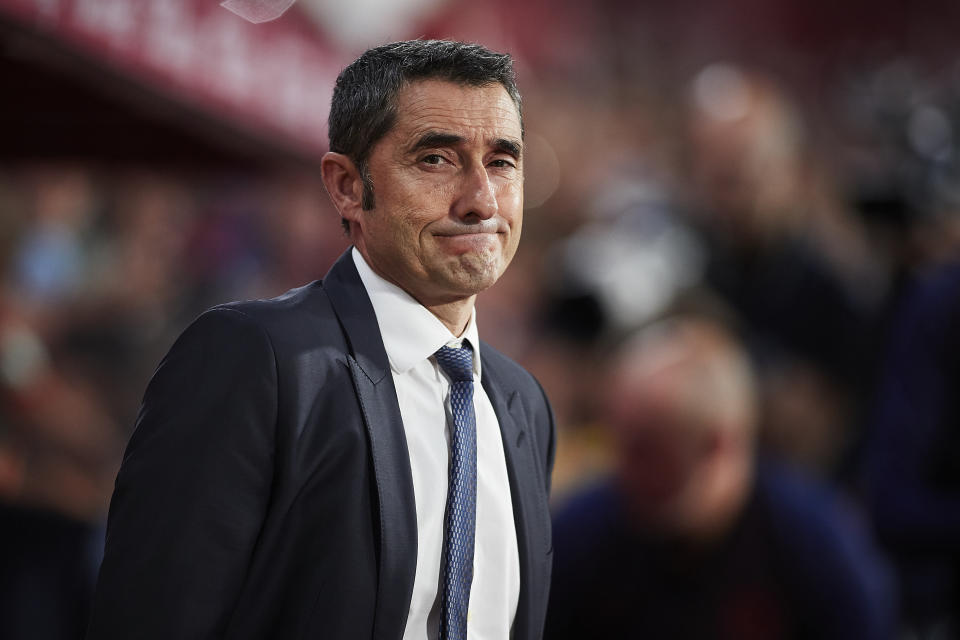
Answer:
x=57 y=452
x=787 y=257
x=913 y=458
x=902 y=160
x=693 y=537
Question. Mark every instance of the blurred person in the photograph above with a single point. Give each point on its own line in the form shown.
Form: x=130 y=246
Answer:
x=59 y=440
x=622 y=269
x=912 y=458
x=58 y=453
x=349 y=460
x=793 y=264
x=902 y=163
x=51 y=258
x=693 y=536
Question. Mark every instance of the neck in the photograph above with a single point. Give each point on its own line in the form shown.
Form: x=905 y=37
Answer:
x=454 y=315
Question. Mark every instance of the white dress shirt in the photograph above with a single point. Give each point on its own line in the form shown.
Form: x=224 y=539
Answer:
x=411 y=335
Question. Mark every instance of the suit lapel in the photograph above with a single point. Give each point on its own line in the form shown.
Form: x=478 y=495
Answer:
x=388 y=446
x=525 y=493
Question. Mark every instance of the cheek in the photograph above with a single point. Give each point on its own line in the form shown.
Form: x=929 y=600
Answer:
x=403 y=219
x=420 y=205
x=510 y=203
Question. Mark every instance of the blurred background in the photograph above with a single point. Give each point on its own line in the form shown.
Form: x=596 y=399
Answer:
x=785 y=170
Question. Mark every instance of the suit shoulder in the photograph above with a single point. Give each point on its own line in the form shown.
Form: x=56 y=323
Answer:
x=309 y=298
x=300 y=316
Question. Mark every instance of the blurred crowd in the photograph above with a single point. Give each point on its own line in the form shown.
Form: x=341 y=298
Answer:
x=745 y=312
x=759 y=314
x=102 y=270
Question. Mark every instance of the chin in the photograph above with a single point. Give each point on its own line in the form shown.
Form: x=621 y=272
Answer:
x=464 y=287
x=476 y=273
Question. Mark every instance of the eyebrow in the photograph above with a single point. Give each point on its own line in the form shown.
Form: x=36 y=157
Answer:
x=433 y=139
x=511 y=147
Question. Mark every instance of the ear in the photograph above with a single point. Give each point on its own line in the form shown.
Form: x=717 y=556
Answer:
x=342 y=181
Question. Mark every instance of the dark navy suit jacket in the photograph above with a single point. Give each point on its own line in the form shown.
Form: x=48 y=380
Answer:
x=267 y=492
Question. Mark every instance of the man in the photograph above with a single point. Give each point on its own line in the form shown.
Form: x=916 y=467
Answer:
x=693 y=537
x=314 y=466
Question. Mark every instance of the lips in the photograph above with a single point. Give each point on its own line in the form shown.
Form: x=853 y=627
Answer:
x=449 y=228
x=466 y=234
x=466 y=242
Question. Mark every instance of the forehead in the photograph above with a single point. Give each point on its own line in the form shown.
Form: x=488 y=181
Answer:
x=430 y=105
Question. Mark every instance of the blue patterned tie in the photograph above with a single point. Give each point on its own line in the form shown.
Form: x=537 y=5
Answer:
x=459 y=522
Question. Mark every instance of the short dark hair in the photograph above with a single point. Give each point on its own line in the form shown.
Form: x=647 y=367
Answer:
x=363 y=107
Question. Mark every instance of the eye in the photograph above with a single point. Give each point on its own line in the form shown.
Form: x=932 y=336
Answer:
x=433 y=158
x=502 y=163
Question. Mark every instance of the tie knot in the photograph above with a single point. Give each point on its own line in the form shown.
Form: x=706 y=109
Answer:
x=456 y=363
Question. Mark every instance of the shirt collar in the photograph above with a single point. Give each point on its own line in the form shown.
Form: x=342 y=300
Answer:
x=409 y=331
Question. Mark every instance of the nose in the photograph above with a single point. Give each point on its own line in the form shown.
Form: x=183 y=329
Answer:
x=477 y=198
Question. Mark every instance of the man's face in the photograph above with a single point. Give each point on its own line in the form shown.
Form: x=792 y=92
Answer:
x=448 y=192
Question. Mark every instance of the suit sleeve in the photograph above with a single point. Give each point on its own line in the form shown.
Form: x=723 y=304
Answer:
x=193 y=488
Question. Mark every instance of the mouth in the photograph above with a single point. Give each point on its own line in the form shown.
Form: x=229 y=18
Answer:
x=486 y=227
x=467 y=234
x=458 y=243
